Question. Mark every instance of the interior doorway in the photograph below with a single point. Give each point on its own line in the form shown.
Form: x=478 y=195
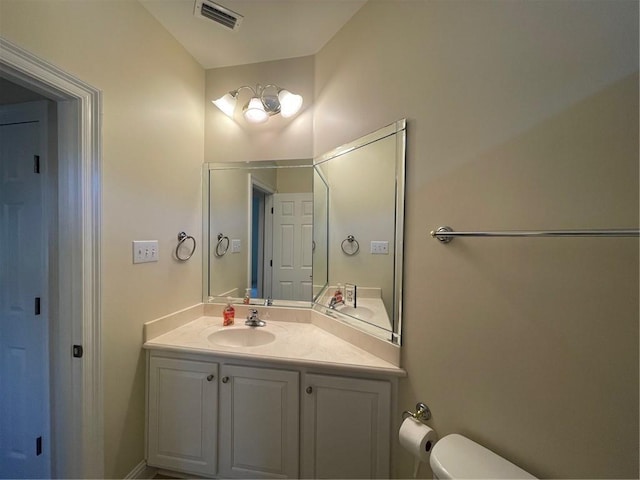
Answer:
x=261 y=239
x=76 y=438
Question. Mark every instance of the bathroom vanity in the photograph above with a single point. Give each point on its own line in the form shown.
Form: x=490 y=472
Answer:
x=311 y=394
x=287 y=400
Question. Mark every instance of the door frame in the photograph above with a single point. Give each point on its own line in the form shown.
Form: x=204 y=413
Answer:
x=78 y=440
x=264 y=267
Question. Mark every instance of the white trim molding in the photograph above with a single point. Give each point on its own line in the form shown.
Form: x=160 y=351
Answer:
x=142 y=470
x=79 y=381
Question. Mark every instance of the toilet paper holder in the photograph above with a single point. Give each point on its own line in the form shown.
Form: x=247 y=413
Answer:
x=422 y=413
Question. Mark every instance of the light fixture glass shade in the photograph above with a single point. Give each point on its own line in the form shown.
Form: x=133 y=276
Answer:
x=226 y=103
x=254 y=111
x=290 y=103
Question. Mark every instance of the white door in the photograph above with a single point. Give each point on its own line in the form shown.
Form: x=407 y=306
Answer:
x=259 y=423
x=24 y=352
x=292 y=240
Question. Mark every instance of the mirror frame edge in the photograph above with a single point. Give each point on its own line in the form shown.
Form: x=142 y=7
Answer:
x=401 y=152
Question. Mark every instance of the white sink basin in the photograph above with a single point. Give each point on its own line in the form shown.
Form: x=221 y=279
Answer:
x=241 y=337
x=363 y=313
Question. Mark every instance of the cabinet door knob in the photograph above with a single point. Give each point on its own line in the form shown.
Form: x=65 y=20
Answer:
x=309 y=390
x=210 y=377
x=225 y=379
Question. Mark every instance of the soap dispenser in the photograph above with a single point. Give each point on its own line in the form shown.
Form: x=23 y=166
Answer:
x=338 y=296
x=228 y=314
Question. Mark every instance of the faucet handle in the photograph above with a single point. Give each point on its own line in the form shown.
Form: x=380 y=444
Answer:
x=253 y=320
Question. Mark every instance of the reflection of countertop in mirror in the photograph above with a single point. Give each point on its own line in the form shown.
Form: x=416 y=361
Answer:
x=304 y=338
x=370 y=314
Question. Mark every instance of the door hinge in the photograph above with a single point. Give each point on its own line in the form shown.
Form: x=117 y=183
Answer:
x=36 y=164
x=77 y=351
x=38 y=446
x=271 y=263
x=36 y=306
x=271 y=210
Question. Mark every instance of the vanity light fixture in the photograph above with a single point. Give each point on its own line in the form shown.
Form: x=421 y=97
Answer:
x=264 y=103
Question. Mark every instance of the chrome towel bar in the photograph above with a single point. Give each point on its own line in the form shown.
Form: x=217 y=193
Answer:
x=446 y=234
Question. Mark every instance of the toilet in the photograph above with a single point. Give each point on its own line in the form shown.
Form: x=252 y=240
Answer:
x=455 y=456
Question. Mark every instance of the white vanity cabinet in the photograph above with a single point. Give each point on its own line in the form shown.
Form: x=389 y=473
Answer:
x=182 y=415
x=345 y=427
x=259 y=422
x=224 y=417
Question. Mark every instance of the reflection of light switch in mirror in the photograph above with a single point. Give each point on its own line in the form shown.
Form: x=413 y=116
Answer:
x=235 y=245
x=379 y=247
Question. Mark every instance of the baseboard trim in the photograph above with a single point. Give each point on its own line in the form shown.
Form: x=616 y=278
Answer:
x=142 y=470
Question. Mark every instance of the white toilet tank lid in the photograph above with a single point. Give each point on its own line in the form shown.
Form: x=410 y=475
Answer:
x=455 y=456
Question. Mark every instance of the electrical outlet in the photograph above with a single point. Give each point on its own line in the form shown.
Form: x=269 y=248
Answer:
x=145 y=251
x=379 y=247
x=235 y=245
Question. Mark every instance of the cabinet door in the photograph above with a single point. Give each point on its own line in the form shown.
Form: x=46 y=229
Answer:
x=346 y=427
x=183 y=408
x=259 y=423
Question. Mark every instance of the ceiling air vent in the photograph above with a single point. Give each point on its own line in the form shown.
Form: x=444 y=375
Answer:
x=217 y=13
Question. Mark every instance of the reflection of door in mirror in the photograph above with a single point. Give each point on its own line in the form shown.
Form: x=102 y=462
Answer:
x=292 y=240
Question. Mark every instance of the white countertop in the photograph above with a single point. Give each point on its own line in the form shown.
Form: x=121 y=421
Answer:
x=298 y=343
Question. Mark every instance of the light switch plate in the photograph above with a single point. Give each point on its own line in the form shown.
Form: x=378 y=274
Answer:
x=145 y=251
x=235 y=245
x=379 y=247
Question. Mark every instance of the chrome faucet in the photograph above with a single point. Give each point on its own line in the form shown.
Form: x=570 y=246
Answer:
x=268 y=302
x=333 y=302
x=253 y=320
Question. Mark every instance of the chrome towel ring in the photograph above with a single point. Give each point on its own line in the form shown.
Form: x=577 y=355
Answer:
x=182 y=237
x=350 y=245
x=222 y=246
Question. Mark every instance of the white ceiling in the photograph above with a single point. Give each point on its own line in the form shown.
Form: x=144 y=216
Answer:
x=270 y=30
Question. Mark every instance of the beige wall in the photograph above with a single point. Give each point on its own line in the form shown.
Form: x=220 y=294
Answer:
x=228 y=140
x=521 y=115
x=153 y=126
x=295 y=180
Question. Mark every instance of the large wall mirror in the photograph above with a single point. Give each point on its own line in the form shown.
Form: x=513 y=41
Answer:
x=365 y=186
x=259 y=219
x=290 y=231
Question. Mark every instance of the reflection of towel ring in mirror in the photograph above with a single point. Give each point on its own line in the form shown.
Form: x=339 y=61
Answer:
x=222 y=246
x=182 y=237
x=351 y=244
